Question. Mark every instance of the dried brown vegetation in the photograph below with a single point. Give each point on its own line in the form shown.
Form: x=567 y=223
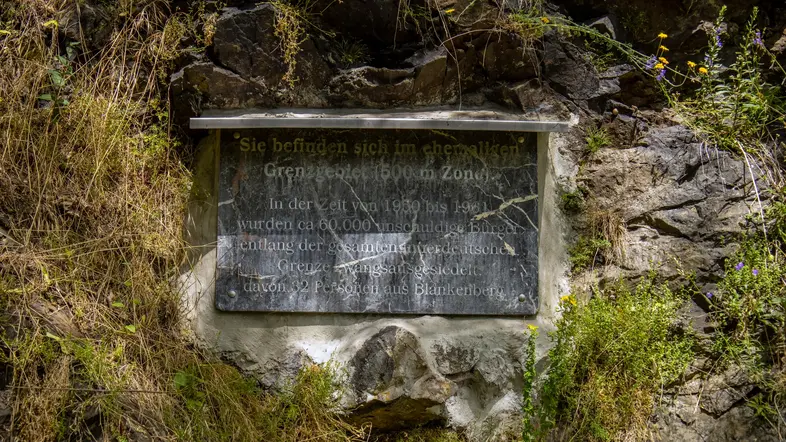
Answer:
x=94 y=193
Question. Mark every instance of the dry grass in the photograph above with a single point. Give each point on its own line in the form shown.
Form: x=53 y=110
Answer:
x=612 y=227
x=94 y=193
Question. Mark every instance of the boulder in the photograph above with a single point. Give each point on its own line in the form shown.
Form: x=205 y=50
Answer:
x=377 y=22
x=398 y=380
x=245 y=43
x=567 y=70
x=431 y=78
x=677 y=200
x=505 y=57
x=203 y=85
x=608 y=24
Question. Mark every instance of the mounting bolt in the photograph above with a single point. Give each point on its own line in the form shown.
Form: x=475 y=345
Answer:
x=237 y=135
x=521 y=139
x=232 y=293
x=522 y=298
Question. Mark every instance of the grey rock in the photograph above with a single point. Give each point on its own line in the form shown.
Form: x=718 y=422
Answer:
x=682 y=420
x=532 y=97
x=393 y=383
x=567 y=70
x=371 y=86
x=722 y=392
x=374 y=365
x=245 y=43
x=375 y=21
x=638 y=89
x=433 y=78
x=429 y=75
x=468 y=380
x=677 y=199
x=607 y=24
x=453 y=360
x=505 y=57
x=90 y=21
x=204 y=85
x=276 y=374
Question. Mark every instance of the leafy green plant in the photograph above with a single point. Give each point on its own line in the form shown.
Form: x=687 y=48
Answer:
x=572 y=202
x=351 y=53
x=750 y=307
x=733 y=107
x=611 y=357
x=587 y=252
x=597 y=138
x=294 y=18
x=752 y=296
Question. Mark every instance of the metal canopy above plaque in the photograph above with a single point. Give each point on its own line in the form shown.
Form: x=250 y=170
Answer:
x=349 y=220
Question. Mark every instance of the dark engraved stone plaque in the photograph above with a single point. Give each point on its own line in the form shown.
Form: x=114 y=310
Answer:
x=378 y=221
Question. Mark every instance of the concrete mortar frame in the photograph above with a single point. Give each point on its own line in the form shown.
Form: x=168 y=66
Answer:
x=258 y=341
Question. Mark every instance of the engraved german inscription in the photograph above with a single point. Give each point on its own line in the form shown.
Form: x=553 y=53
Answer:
x=377 y=221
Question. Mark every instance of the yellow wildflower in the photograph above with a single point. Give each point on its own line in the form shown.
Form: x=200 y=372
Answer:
x=703 y=70
x=659 y=66
x=545 y=20
x=450 y=11
x=568 y=299
x=691 y=64
x=663 y=48
x=532 y=328
x=662 y=35
x=663 y=60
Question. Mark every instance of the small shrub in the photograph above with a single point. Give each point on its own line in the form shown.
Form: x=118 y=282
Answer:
x=587 y=252
x=750 y=306
x=291 y=30
x=751 y=296
x=351 y=53
x=611 y=357
x=611 y=227
x=597 y=138
x=732 y=107
x=572 y=202
x=294 y=18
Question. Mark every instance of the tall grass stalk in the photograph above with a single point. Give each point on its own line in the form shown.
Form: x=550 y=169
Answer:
x=94 y=194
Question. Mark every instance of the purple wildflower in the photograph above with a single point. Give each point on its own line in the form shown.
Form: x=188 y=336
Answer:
x=661 y=75
x=708 y=61
x=651 y=63
x=718 y=41
x=710 y=295
x=755 y=272
x=739 y=266
x=757 y=39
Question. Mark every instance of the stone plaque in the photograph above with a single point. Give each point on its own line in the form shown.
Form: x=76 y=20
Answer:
x=378 y=221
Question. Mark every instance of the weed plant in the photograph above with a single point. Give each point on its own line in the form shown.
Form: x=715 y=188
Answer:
x=750 y=307
x=597 y=138
x=95 y=190
x=733 y=107
x=294 y=20
x=588 y=251
x=612 y=356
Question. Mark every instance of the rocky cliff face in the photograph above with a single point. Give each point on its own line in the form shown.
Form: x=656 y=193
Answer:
x=674 y=201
